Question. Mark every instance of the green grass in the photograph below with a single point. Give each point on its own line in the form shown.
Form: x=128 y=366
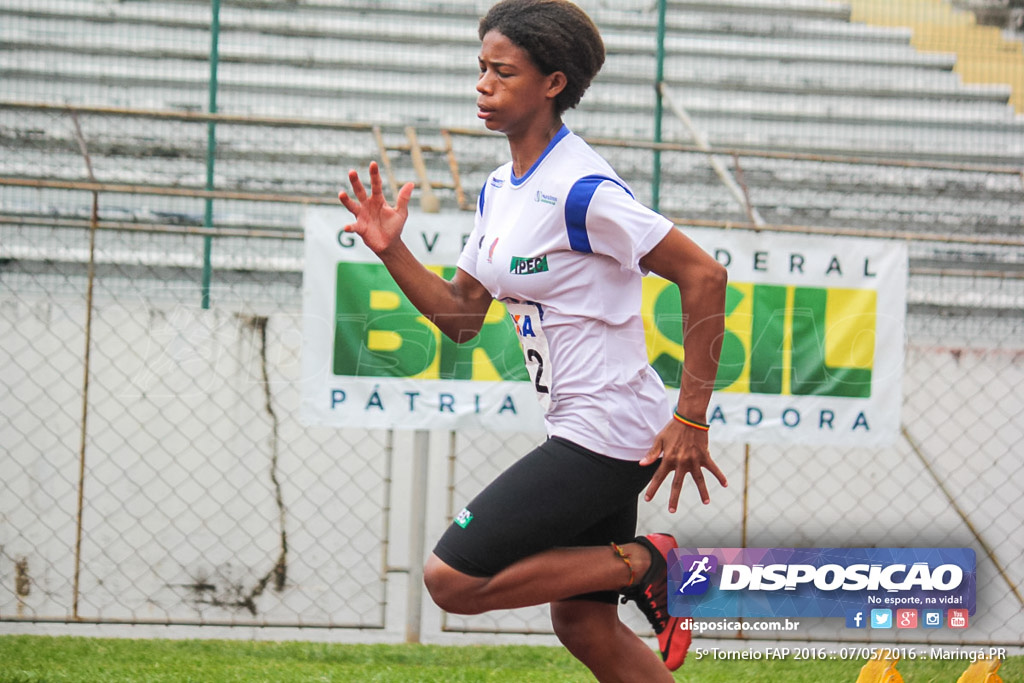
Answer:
x=38 y=659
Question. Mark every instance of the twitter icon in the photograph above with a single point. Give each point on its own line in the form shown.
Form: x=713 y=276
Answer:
x=881 y=618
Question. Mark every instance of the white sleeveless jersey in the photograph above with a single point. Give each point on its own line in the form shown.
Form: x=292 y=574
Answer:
x=560 y=247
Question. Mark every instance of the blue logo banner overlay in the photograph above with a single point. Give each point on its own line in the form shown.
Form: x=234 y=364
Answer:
x=820 y=582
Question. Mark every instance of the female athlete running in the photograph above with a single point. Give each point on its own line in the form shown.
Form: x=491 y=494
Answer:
x=560 y=240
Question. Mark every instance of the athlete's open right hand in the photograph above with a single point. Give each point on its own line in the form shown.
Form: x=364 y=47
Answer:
x=376 y=222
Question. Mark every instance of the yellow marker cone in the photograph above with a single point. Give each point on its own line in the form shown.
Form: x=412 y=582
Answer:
x=982 y=671
x=881 y=670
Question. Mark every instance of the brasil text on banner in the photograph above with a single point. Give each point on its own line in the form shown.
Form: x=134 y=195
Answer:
x=812 y=352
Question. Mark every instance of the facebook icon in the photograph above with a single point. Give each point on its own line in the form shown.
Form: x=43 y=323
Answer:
x=855 y=619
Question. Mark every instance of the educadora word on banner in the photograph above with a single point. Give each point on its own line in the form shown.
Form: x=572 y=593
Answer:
x=874 y=583
x=812 y=350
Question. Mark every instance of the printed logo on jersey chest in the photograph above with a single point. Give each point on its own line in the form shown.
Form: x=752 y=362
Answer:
x=522 y=265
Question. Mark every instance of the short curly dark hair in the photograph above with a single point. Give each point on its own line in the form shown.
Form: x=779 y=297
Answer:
x=558 y=36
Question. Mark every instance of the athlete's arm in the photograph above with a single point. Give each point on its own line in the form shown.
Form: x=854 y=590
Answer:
x=701 y=281
x=458 y=306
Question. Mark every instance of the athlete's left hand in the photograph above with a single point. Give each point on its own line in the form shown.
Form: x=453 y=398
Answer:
x=683 y=450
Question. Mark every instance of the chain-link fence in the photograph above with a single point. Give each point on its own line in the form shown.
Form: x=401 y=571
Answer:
x=153 y=466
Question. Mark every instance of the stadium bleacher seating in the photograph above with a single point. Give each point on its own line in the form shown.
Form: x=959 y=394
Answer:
x=784 y=77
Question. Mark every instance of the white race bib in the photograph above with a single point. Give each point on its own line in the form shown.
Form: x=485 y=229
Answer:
x=528 y=319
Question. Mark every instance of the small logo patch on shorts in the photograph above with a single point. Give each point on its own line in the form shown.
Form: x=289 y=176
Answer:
x=464 y=518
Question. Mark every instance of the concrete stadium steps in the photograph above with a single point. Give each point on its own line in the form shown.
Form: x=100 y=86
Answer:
x=184 y=26
x=806 y=199
x=448 y=100
x=447 y=74
x=771 y=75
x=325 y=65
x=262 y=36
x=128 y=264
x=134 y=257
x=823 y=124
x=68 y=213
x=783 y=190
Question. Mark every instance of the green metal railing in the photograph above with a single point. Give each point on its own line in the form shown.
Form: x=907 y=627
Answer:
x=211 y=150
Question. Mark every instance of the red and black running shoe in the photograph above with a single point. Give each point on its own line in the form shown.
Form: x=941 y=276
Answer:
x=651 y=595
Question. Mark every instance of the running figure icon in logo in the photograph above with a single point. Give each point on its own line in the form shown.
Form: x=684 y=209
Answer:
x=695 y=579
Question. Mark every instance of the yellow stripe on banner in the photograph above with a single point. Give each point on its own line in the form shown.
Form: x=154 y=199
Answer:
x=982 y=54
x=850 y=328
x=787 y=343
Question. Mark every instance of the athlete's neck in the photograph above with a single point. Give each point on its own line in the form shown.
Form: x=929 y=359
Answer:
x=527 y=147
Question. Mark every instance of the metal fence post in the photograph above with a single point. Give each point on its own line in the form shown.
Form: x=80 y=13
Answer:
x=94 y=219
x=417 y=534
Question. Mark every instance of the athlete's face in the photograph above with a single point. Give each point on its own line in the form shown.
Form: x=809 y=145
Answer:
x=512 y=92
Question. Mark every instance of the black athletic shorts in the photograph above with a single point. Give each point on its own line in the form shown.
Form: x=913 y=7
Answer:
x=557 y=495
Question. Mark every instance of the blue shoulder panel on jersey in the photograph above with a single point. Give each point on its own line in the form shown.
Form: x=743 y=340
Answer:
x=480 y=199
x=577 y=203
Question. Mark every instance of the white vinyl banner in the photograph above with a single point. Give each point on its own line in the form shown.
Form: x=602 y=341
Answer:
x=814 y=338
x=812 y=352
